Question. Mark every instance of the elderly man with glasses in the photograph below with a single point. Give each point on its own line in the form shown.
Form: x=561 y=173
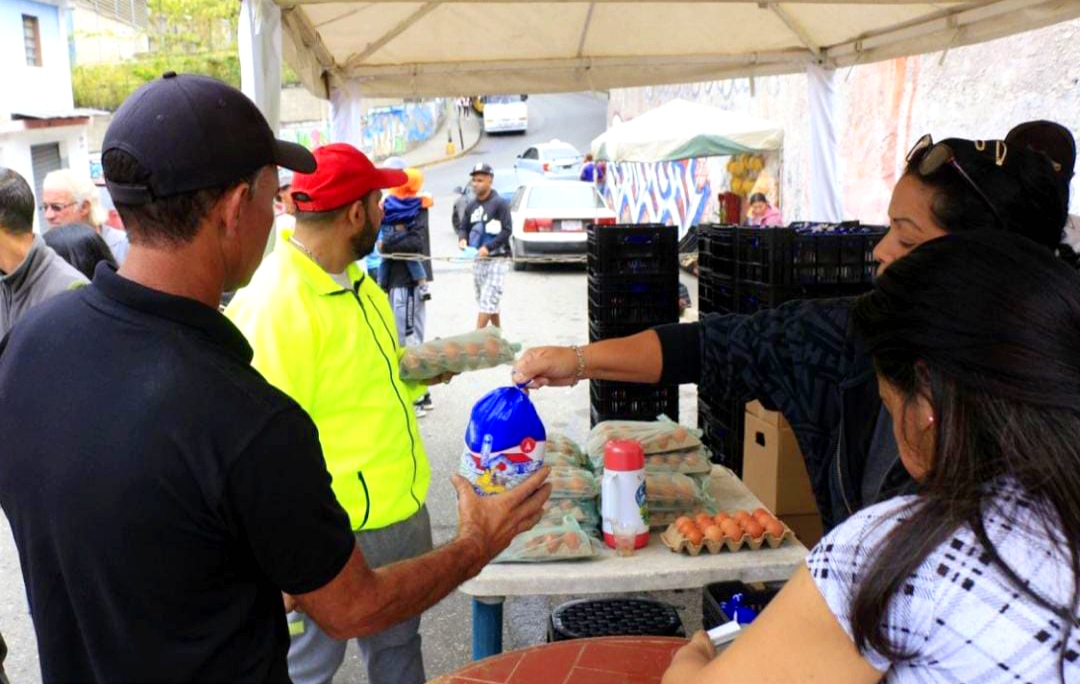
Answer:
x=69 y=197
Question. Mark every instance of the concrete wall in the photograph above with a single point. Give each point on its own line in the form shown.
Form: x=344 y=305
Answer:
x=100 y=39
x=33 y=88
x=979 y=91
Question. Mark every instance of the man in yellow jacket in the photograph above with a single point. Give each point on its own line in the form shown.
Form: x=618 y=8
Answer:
x=324 y=333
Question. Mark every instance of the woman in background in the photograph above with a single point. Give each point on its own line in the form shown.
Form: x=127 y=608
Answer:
x=81 y=246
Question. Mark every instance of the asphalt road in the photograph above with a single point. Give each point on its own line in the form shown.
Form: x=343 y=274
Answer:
x=541 y=306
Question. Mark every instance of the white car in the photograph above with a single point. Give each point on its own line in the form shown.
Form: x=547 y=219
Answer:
x=551 y=216
x=506 y=113
x=555 y=159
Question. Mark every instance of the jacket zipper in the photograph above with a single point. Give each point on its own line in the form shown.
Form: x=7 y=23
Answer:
x=390 y=370
x=367 y=498
x=839 y=470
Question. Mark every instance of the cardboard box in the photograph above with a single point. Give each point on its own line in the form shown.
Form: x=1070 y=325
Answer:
x=774 y=470
x=806 y=526
x=776 y=418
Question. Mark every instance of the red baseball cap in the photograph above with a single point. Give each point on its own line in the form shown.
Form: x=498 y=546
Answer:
x=343 y=174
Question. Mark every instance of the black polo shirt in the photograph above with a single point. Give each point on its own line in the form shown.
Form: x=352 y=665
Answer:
x=161 y=493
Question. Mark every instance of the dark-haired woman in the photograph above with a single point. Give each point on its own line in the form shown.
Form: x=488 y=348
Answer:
x=81 y=246
x=975 y=578
x=804 y=358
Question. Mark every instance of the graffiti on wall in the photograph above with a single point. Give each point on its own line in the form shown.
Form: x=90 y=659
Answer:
x=387 y=131
x=677 y=193
x=310 y=135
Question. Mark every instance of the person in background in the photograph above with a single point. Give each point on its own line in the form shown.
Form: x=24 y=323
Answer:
x=404 y=227
x=70 y=197
x=588 y=169
x=30 y=271
x=762 y=213
x=1056 y=142
x=487 y=225
x=80 y=246
x=975 y=578
x=804 y=358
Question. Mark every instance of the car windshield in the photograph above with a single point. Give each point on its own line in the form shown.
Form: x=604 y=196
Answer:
x=503 y=99
x=568 y=196
x=559 y=152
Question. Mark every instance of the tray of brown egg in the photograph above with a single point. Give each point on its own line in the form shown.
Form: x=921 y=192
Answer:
x=731 y=530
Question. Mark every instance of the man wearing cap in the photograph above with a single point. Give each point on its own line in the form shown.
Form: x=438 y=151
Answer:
x=324 y=333
x=158 y=547
x=487 y=227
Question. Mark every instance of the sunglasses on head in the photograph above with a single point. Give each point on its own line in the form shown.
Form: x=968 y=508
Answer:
x=927 y=158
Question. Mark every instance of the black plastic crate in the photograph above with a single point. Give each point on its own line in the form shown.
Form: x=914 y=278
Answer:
x=753 y=297
x=807 y=254
x=630 y=401
x=716 y=249
x=722 y=427
x=633 y=249
x=587 y=618
x=651 y=299
x=716 y=294
x=712 y=595
x=607 y=331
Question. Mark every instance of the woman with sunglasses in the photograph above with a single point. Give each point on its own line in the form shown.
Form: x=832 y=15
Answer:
x=975 y=579
x=804 y=358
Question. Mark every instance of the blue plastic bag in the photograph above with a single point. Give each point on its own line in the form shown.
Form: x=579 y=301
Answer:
x=504 y=442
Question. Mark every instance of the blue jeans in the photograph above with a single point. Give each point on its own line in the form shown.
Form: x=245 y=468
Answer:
x=392 y=656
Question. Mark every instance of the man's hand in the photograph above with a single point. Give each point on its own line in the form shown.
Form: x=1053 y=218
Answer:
x=462 y=243
x=482 y=252
x=491 y=522
x=543 y=366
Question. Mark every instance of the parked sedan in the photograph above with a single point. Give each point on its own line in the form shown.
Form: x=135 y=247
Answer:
x=555 y=159
x=550 y=217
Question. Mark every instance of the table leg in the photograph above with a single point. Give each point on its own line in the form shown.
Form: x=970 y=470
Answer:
x=487 y=620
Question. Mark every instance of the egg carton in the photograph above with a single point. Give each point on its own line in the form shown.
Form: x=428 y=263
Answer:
x=675 y=541
x=695 y=461
x=661 y=518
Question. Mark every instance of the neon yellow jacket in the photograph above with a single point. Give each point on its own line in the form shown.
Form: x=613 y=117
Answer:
x=336 y=353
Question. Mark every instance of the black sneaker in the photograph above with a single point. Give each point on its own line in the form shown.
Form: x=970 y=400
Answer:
x=425 y=402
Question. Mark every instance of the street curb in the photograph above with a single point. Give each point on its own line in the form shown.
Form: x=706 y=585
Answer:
x=457 y=155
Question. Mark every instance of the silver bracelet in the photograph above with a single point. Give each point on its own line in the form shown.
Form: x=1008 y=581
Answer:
x=580 y=353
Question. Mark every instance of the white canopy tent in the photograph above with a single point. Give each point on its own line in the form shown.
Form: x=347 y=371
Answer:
x=345 y=49
x=684 y=130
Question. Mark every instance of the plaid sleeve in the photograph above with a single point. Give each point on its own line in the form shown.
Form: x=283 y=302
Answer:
x=842 y=557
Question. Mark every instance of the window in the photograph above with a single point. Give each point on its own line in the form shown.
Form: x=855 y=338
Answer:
x=515 y=203
x=565 y=196
x=561 y=152
x=531 y=153
x=32 y=40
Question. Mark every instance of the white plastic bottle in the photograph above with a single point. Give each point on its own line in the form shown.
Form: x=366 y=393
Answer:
x=622 y=492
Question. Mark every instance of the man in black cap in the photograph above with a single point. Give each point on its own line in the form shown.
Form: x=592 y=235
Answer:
x=157 y=534
x=486 y=225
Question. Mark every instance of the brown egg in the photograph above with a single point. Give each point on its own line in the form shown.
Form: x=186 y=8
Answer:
x=571 y=541
x=719 y=518
x=774 y=528
x=714 y=533
x=703 y=520
x=681 y=520
x=761 y=515
x=411 y=361
x=694 y=536
x=451 y=351
x=754 y=529
x=553 y=542
x=741 y=516
x=731 y=529
x=472 y=350
x=492 y=348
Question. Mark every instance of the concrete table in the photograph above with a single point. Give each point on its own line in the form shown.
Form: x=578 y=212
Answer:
x=654 y=568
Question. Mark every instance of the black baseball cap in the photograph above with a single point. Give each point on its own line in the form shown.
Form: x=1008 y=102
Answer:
x=482 y=168
x=191 y=133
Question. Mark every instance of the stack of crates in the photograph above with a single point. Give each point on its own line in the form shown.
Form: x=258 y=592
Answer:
x=745 y=269
x=633 y=286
